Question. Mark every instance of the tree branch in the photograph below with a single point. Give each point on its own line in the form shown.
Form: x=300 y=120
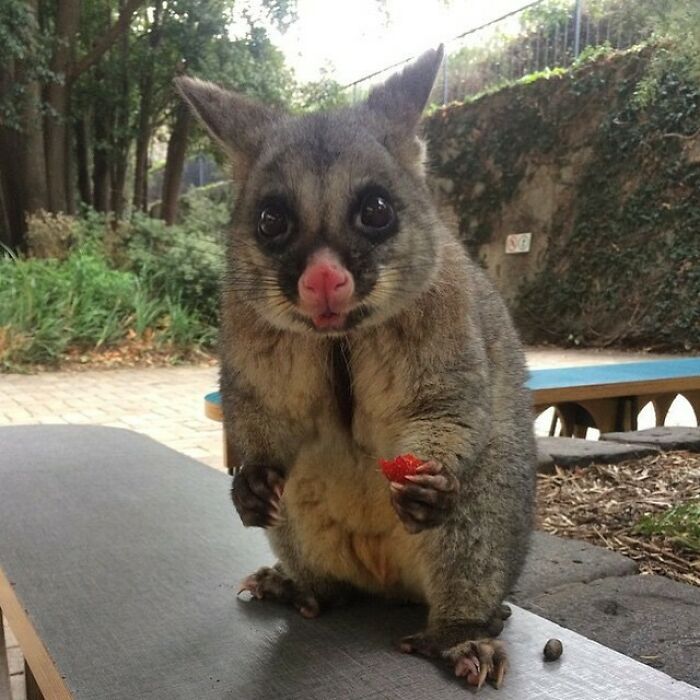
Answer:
x=112 y=34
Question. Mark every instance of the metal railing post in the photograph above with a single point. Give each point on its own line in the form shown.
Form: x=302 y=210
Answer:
x=444 y=78
x=577 y=29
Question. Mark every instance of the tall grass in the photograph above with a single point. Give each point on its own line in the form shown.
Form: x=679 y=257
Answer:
x=680 y=524
x=110 y=281
x=48 y=306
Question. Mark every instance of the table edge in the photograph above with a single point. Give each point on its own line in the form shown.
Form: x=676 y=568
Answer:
x=43 y=668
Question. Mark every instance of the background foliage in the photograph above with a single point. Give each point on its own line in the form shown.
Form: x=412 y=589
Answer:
x=623 y=262
x=100 y=250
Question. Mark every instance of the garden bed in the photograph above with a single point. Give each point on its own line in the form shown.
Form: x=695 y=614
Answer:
x=646 y=509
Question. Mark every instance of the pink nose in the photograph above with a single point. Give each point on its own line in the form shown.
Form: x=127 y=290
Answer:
x=325 y=283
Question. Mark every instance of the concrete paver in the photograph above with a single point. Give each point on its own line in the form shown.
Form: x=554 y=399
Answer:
x=166 y=403
x=555 y=561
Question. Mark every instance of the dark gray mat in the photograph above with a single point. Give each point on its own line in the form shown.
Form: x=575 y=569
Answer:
x=126 y=555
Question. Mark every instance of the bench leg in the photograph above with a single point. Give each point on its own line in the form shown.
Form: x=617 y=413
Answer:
x=33 y=690
x=5 y=688
x=694 y=400
x=607 y=415
x=661 y=404
x=575 y=420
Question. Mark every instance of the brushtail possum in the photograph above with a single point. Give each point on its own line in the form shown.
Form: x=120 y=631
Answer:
x=354 y=327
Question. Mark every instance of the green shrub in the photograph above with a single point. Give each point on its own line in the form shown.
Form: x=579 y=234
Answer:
x=105 y=280
x=183 y=262
x=681 y=524
x=50 y=235
x=48 y=306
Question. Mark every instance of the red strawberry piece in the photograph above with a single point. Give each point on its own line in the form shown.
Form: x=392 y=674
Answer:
x=398 y=468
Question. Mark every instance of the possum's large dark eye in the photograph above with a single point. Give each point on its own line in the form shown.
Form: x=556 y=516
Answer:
x=273 y=222
x=375 y=214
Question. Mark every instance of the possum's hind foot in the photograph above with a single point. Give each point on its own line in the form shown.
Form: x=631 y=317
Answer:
x=272 y=584
x=477 y=660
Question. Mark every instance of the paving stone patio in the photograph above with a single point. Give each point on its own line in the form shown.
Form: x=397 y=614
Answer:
x=165 y=403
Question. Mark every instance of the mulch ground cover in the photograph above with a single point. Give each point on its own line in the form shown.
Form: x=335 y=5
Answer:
x=619 y=506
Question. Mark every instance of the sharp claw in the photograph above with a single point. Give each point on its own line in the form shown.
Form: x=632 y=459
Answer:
x=501 y=669
x=310 y=610
x=482 y=676
x=275 y=505
x=274 y=516
x=248 y=584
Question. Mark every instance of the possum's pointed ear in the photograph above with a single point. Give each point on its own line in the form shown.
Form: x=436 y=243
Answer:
x=397 y=105
x=236 y=122
x=402 y=99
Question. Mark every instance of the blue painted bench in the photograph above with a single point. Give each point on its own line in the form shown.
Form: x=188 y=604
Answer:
x=609 y=397
x=606 y=397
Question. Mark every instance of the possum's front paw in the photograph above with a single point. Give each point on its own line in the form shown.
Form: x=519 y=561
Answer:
x=426 y=498
x=256 y=493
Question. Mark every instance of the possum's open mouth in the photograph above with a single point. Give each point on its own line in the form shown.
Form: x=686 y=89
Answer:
x=330 y=320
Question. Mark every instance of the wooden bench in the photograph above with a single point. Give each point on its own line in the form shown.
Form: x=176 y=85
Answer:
x=606 y=397
x=610 y=397
x=119 y=565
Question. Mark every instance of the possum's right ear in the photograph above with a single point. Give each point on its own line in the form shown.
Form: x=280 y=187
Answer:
x=236 y=122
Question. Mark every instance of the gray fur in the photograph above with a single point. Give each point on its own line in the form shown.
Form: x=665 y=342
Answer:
x=436 y=366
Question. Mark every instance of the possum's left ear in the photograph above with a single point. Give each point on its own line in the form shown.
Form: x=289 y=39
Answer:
x=397 y=105
x=238 y=123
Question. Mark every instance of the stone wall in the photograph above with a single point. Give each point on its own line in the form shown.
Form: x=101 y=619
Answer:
x=609 y=189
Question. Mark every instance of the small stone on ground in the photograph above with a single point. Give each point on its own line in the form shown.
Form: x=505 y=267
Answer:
x=665 y=438
x=575 y=452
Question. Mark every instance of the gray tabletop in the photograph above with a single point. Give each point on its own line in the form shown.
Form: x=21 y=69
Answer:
x=127 y=557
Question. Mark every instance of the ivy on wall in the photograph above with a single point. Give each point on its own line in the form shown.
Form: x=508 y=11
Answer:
x=623 y=262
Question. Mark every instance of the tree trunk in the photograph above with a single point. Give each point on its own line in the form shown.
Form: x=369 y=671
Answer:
x=101 y=178
x=33 y=155
x=118 y=181
x=33 y=163
x=143 y=137
x=174 y=163
x=57 y=95
x=82 y=158
x=12 y=194
x=5 y=227
x=121 y=121
x=12 y=225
